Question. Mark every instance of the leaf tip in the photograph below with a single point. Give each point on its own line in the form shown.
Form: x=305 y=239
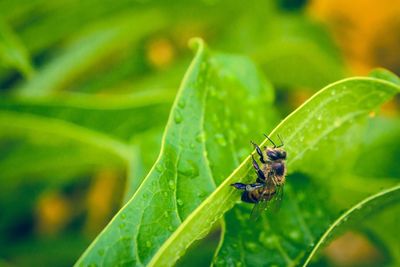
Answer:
x=384 y=74
x=196 y=43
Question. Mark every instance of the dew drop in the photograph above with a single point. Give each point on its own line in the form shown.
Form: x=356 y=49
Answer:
x=267 y=240
x=170 y=228
x=182 y=103
x=192 y=145
x=122 y=225
x=333 y=92
x=221 y=262
x=201 y=194
x=159 y=168
x=221 y=139
x=171 y=184
x=251 y=246
x=295 y=235
x=179 y=201
x=166 y=215
x=123 y=216
x=178 y=117
x=200 y=137
x=165 y=193
x=100 y=252
x=337 y=123
x=188 y=168
x=148 y=244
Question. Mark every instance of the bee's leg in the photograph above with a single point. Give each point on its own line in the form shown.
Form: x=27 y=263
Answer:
x=247 y=195
x=239 y=186
x=259 y=152
x=274 y=180
x=260 y=174
x=247 y=187
x=251 y=187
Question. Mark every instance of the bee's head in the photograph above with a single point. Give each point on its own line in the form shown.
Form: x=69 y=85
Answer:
x=276 y=153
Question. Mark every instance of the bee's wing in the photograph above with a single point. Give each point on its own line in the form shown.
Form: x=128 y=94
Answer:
x=277 y=199
x=259 y=207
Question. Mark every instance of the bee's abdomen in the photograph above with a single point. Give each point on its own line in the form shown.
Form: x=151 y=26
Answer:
x=249 y=197
x=269 y=193
x=256 y=195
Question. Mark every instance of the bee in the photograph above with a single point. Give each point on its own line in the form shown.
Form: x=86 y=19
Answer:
x=268 y=188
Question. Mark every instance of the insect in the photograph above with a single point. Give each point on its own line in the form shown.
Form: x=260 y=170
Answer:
x=267 y=191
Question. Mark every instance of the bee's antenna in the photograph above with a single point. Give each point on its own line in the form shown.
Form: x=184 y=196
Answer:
x=281 y=145
x=272 y=142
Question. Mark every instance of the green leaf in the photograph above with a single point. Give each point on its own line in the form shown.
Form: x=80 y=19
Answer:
x=202 y=142
x=292 y=50
x=91 y=48
x=12 y=51
x=384 y=226
x=87 y=129
x=357 y=213
x=385 y=75
x=318 y=136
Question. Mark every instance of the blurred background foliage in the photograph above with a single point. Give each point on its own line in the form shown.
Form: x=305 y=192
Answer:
x=113 y=67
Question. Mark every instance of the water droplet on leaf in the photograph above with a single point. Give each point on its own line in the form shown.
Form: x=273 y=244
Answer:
x=100 y=252
x=221 y=139
x=200 y=137
x=182 y=103
x=251 y=246
x=178 y=117
x=295 y=235
x=171 y=184
x=179 y=201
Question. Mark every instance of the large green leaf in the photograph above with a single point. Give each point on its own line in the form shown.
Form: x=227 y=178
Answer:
x=92 y=47
x=12 y=52
x=357 y=213
x=307 y=132
x=292 y=50
x=46 y=142
x=319 y=135
x=204 y=140
x=34 y=131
